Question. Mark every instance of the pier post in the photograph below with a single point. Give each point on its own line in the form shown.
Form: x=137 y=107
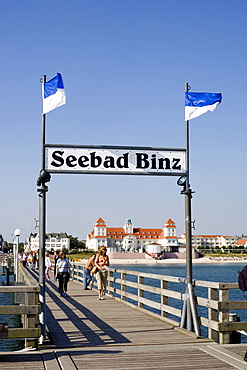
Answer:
x=224 y=337
x=140 y=291
x=190 y=301
x=213 y=314
x=123 y=285
x=164 y=299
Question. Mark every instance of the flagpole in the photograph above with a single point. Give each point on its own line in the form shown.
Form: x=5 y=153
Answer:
x=189 y=310
x=42 y=222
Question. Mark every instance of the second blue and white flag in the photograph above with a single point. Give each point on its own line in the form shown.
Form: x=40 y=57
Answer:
x=53 y=94
x=200 y=103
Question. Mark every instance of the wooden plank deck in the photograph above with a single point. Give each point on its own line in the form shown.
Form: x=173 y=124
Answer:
x=82 y=320
x=90 y=334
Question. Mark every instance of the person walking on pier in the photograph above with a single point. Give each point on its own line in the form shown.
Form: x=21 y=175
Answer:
x=102 y=262
x=47 y=266
x=87 y=278
x=24 y=259
x=63 y=274
x=56 y=257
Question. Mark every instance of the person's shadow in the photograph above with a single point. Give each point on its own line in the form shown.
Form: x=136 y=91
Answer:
x=83 y=335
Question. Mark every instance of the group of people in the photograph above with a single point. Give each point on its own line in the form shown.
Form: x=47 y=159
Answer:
x=62 y=270
x=97 y=263
x=30 y=260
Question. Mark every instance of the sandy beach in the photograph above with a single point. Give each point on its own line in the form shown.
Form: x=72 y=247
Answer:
x=208 y=260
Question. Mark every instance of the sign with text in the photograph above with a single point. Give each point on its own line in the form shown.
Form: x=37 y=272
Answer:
x=115 y=160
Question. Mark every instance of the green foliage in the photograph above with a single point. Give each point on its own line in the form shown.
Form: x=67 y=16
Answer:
x=75 y=243
x=21 y=247
x=83 y=255
x=239 y=254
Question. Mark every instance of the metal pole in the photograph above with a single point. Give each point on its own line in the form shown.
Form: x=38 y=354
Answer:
x=187 y=225
x=188 y=258
x=42 y=231
x=16 y=258
x=14 y=252
x=190 y=302
x=42 y=213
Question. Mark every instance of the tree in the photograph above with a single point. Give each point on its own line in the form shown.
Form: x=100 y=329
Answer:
x=81 y=244
x=76 y=244
x=73 y=242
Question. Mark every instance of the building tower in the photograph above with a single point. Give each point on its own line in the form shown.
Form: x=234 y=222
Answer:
x=128 y=227
x=170 y=236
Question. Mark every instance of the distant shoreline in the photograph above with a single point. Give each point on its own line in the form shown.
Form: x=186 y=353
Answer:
x=208 y=260
x=178 y=261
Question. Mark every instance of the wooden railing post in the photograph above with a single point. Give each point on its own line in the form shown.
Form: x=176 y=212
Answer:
x=163 y=298
x=224 y=337
x=110 y=283
x=213 y=314
x=140 y=291
x=31 y=320
x=72 y=270
x=123 y=285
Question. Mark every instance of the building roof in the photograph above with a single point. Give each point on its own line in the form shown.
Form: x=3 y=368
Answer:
x=51 y=235
x=170 y=223
x=56 y=235
x=207 y=236
x=119 y=232
x=241 y=242
x=100 y=221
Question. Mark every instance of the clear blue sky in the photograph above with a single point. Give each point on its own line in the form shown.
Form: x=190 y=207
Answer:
x=124 y=65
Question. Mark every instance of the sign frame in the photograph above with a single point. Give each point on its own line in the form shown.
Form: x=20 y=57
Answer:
x=153 y=157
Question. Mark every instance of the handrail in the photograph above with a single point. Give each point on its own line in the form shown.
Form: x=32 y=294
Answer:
x=212 y=299
x=26 y=303
x=162 y=299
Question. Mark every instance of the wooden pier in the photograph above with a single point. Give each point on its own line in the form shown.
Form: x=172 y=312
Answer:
x=86 y=333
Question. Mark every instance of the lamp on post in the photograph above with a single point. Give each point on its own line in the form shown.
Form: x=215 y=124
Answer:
x=17 y=235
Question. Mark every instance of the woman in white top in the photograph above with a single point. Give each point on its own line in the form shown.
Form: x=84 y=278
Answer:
x=47 y=266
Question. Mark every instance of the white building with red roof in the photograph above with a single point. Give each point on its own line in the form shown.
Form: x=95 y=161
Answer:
x=241 y=243
x=132 y=239
x=211 y=241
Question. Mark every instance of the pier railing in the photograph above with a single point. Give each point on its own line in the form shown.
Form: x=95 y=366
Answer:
x=163 y=296
x=26 y=304
x=158 y=295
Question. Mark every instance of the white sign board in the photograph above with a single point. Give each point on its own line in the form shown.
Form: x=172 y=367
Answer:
x=115 y=160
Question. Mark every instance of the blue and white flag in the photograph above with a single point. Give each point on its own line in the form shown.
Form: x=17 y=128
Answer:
x=199 y=103
x=53 y=94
